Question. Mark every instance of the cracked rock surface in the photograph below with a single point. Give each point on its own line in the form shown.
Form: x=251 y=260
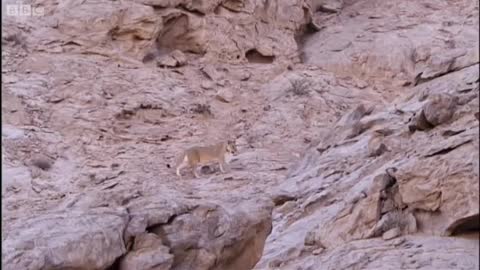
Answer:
x=356 y=124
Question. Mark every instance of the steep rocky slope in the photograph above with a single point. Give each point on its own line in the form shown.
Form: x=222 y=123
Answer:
x=356 y=124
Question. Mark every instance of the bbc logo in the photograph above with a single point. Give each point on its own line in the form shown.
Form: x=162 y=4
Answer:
x=24 y=10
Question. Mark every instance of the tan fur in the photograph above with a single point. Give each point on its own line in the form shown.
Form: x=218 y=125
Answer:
x=201 y=155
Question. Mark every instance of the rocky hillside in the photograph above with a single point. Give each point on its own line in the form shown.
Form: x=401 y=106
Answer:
x=356 y=122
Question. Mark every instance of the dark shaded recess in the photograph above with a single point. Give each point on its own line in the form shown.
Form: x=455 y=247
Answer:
x=465 y=225
x=175 y=36
x=282 y=199
x=149 y=57
x=303 y=34
x=253 y=56
x=174 y=27
x=116 y=264
x=325 y=10
x=217 y=10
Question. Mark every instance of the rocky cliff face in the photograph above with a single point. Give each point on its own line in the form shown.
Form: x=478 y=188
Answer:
x=356 y=124
x=233 y=31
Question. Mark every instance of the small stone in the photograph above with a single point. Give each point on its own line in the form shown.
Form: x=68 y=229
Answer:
x=392 y=233
x=318 y=251
x=207 y=85
x=180 y=57
x=225 y=96
x=361 y=84
x=174 y=59
x=330 y=6
x=421 y=123
x=212 y=73
x=244 y=76
x=221 y=82
x=398 y=241
x=439 y=109
x=167 y=61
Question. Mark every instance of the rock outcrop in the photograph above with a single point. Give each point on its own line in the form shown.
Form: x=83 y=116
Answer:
x=343 y=193
x=234 y=31
x=364 y=155
x=151 y=233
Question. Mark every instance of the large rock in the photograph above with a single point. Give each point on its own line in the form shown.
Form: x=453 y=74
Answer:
x=369 y=40
x=76 y=239
x=327 y=140
x=152 y=234
x=148 y=252
x=413 y=252
x=223 y=30
x=210 y=236
x=109 y=28
x=343 y=193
